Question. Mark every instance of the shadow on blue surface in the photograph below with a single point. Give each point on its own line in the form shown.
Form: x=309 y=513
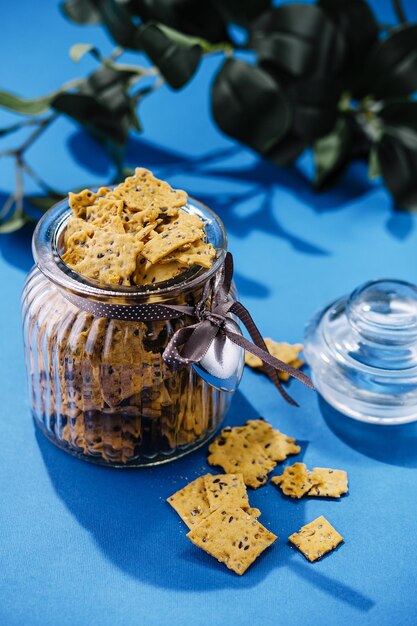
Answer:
x=16 y=248
x=394 y=445
x=400 y=225
x=216 y=169
x=125 y=513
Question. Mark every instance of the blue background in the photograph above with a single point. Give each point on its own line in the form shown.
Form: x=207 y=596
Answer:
x=81 y=544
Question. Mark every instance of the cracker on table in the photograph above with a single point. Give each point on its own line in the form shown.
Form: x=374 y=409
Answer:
x=234 y=455
x=186 y=228
x=233 y=537
x=296 y=480
x=226 y=490
x=144 y=191
x=317 y=538
x=283 y=351
x=191 y=502
x=254 y=512
x=333 y=483
x=297 y=363
x=276 y=445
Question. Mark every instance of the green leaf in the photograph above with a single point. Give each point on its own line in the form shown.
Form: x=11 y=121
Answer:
x=356 y=23
x=297 y=40
x=315 y=101
x=15 y=222
x=330 y=152
x=374 y=171
x=33 y=106
x=250 y=106
x=176 y=62
x=391 y=69
x=399 y=112
x=78 y=50
x=188 y=41
x=81 y=11
x=241 y=12
x=102 y=105
x=191 y=17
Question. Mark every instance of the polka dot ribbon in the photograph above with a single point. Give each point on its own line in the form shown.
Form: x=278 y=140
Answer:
x=190 y=344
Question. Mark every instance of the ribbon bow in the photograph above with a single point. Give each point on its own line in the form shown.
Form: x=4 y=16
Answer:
x=190 y=344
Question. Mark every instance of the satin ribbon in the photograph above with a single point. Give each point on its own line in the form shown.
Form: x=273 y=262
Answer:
x=190 y=344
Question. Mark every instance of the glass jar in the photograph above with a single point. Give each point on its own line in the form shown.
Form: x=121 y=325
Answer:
x=98 y=386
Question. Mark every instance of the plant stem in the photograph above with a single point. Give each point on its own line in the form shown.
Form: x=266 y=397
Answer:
x=399 y=11
x=7 y=206
x=19 y=187
x=39 y=181
x=41 y=125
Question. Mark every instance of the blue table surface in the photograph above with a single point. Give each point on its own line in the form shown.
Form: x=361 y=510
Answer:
x=81 y=544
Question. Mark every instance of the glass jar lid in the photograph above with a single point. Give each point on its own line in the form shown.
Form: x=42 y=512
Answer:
x=362 y=350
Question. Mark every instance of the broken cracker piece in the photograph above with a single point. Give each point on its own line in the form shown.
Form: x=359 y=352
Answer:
x=333 y=483
x=317 y=538
x=296 y=480
x=233 y=537
x=191 y=502
x=186 y=228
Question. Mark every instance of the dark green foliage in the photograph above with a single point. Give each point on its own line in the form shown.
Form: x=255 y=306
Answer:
x=322 y=75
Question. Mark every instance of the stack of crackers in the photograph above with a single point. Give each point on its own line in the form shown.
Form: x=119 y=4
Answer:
x=135 y=234
x=216 y=508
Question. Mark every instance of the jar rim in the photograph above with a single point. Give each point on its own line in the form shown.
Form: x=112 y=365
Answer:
x=47 y=258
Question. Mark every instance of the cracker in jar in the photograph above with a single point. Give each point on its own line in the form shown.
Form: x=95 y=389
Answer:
x=144 y=191
x=108 y=257
x=83 y=199
x=186 y=228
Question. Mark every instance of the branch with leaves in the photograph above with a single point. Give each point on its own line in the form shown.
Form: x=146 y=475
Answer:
x=323 y=76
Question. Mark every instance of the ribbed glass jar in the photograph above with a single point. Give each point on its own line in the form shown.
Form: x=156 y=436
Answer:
x=99 y=387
